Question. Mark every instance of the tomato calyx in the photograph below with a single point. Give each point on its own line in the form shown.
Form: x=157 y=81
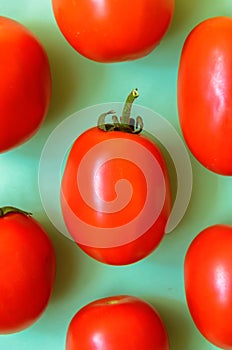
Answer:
x=9 y=209
x=126 y=123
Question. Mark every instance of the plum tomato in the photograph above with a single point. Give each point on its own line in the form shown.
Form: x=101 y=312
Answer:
x=115 y=190
x=25 y=84
x=208 y=284
x=117 y=322
x=113 y=31
x=27 y=270
x=204 y=93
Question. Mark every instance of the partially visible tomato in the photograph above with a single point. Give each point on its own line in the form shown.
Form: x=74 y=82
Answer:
x=205 y=91
x=25 y=84
x=116 y=192
x=27 y=270
x=118 y=322
x=208 y=284
x=111 y=31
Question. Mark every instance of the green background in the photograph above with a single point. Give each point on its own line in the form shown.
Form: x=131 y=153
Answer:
x=79 y=83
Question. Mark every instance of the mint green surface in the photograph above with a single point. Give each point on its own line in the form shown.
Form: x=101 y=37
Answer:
x=79 y=83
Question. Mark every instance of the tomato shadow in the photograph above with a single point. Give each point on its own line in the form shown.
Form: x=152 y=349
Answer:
x=67 y=261
x=187 y=15
x=205 y=202
x=183 y=15
x=73 y=266
x=181 y=330
x=167 y=53
x=203 y=209
x=75 y=79
x=76 y=277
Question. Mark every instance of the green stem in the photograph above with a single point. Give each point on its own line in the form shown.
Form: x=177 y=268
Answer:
x=8 y=209
x=126 y=112
x=126 y=123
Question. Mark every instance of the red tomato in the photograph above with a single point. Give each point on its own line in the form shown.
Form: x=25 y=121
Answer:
x=204 y=93
x=208 y=284
x=27 y=270
x=117 y=322
x=25 y=84
x=115 y=224
x=111 y=31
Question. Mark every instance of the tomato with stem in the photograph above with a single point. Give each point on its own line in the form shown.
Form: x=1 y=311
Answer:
x=27 y=270
x=115 y=190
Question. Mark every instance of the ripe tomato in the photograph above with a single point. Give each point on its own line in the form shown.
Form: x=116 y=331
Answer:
x=115 y=192
x=27 y=270
x=25 y=84
x=118 y=322
x=204 y=93
x=208 y=284
x=111 y=31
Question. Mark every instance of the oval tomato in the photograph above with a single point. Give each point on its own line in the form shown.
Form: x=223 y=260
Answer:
x=115 y=193
x=111 y=31
x=118 y=322
x=208 y=284
x=204 y=93
x=25 y=84
x=27 y=270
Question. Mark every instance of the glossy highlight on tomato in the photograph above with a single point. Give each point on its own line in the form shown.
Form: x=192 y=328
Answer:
x=117 y=322
x=113 y=31
x=115 y=191
x=25 y=84
x=204 y=93
x=27 y=270
x=208 y=284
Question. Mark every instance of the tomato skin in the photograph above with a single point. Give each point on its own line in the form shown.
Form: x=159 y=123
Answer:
x=103 y=184
x=25 y=84
x=27 y=272
x=118 y=322
x=113 y=31
x=208 y=284
x=204 y=93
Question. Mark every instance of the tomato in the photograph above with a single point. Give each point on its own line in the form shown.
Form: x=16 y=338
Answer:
x=115 y=192
x=25 y=84
x=27 y=270
x=113 y=31
x=208 y=284
x=118 y=322
x=204 y=93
